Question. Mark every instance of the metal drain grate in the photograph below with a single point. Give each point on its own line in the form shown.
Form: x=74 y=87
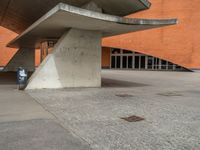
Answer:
x=133 y=119
x=124 y=95
x=170 y=94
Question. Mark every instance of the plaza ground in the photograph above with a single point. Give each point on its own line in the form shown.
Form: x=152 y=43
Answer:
x=90 y=118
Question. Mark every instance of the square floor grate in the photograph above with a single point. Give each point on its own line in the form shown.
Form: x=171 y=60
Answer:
x=133 y=119
x=170 y=94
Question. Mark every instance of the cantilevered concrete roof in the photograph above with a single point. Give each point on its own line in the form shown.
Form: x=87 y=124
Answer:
x=63 y=17
x=17 y=15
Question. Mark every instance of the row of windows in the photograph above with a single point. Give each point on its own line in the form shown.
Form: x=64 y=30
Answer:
x=123 y=59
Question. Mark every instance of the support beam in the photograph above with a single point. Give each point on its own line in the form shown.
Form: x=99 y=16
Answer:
x=23 y=58
x=74 y=62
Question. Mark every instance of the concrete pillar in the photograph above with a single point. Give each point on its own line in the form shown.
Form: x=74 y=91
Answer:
x=74 y=62
x=23 y=58
x=92 y=6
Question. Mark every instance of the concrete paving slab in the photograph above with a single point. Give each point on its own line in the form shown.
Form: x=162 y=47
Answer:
x=26 y=125
x=17 y=105
x=169 y=104
x=38 y=135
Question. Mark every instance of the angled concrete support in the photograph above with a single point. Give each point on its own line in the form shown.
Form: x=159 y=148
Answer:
x=76 y=58
x=23 y=58
x=75 y=62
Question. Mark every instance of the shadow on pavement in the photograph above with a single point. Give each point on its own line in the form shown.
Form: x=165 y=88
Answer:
x=8 y=78
x=120 y=84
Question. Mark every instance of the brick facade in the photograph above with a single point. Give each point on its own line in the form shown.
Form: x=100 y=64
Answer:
x=6 y=53
x=178 y=44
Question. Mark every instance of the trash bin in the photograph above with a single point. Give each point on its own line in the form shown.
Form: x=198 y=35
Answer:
x=21 y=78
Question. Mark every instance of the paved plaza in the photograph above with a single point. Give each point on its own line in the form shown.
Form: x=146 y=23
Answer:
x=91 y=118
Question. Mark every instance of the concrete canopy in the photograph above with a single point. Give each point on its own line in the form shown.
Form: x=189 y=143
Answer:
x=63 y=17
x=17 y=15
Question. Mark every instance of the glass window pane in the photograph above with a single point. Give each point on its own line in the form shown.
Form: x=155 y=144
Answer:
x=137 y=62
x=150 y=62
x=163 y=64
x=130 y=62
x=124 y=62
x=143 y=62
x=113 y=62
x=170 y=66
x=118 y=62
x=178 y=67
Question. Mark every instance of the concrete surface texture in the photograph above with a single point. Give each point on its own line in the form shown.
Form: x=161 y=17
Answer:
x=38 y=135
x=64 y=16
x=168 y=101
x=17 y=105
x=178 y=44
x=14 y=14
x=74 y=62
x=25 y=125
x=23 y=58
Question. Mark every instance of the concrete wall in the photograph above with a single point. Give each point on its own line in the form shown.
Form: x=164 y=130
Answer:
x=178 y=44
x=74 y=62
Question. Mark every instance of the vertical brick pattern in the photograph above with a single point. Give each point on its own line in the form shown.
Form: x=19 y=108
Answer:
x=6 y=53
x=105 y=57
x=178 y=44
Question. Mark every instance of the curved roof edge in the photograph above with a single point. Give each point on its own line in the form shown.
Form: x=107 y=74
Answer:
x=146 y=3
x=65 y=16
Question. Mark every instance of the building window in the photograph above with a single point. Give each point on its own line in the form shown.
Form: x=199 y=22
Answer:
x=113 y=62
x=118 y=62
x=150 y=62
x=164 y=65
x=170 y=66
x=137 y=62
x=124 y=62
x=143 y=61
x=124 y=59
x=127 y=52
x=130 y=62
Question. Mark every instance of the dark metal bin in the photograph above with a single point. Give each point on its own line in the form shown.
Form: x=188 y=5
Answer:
x=22 y=77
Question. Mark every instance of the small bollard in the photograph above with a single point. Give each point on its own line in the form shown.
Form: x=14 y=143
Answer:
x=22 y=77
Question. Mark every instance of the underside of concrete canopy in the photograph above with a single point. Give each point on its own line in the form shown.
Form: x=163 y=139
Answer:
x=75 y=60
x=23 y=58
x=63 y=17
x=17 y=15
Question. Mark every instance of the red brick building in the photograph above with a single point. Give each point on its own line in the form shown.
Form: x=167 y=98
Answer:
x=178 y=44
